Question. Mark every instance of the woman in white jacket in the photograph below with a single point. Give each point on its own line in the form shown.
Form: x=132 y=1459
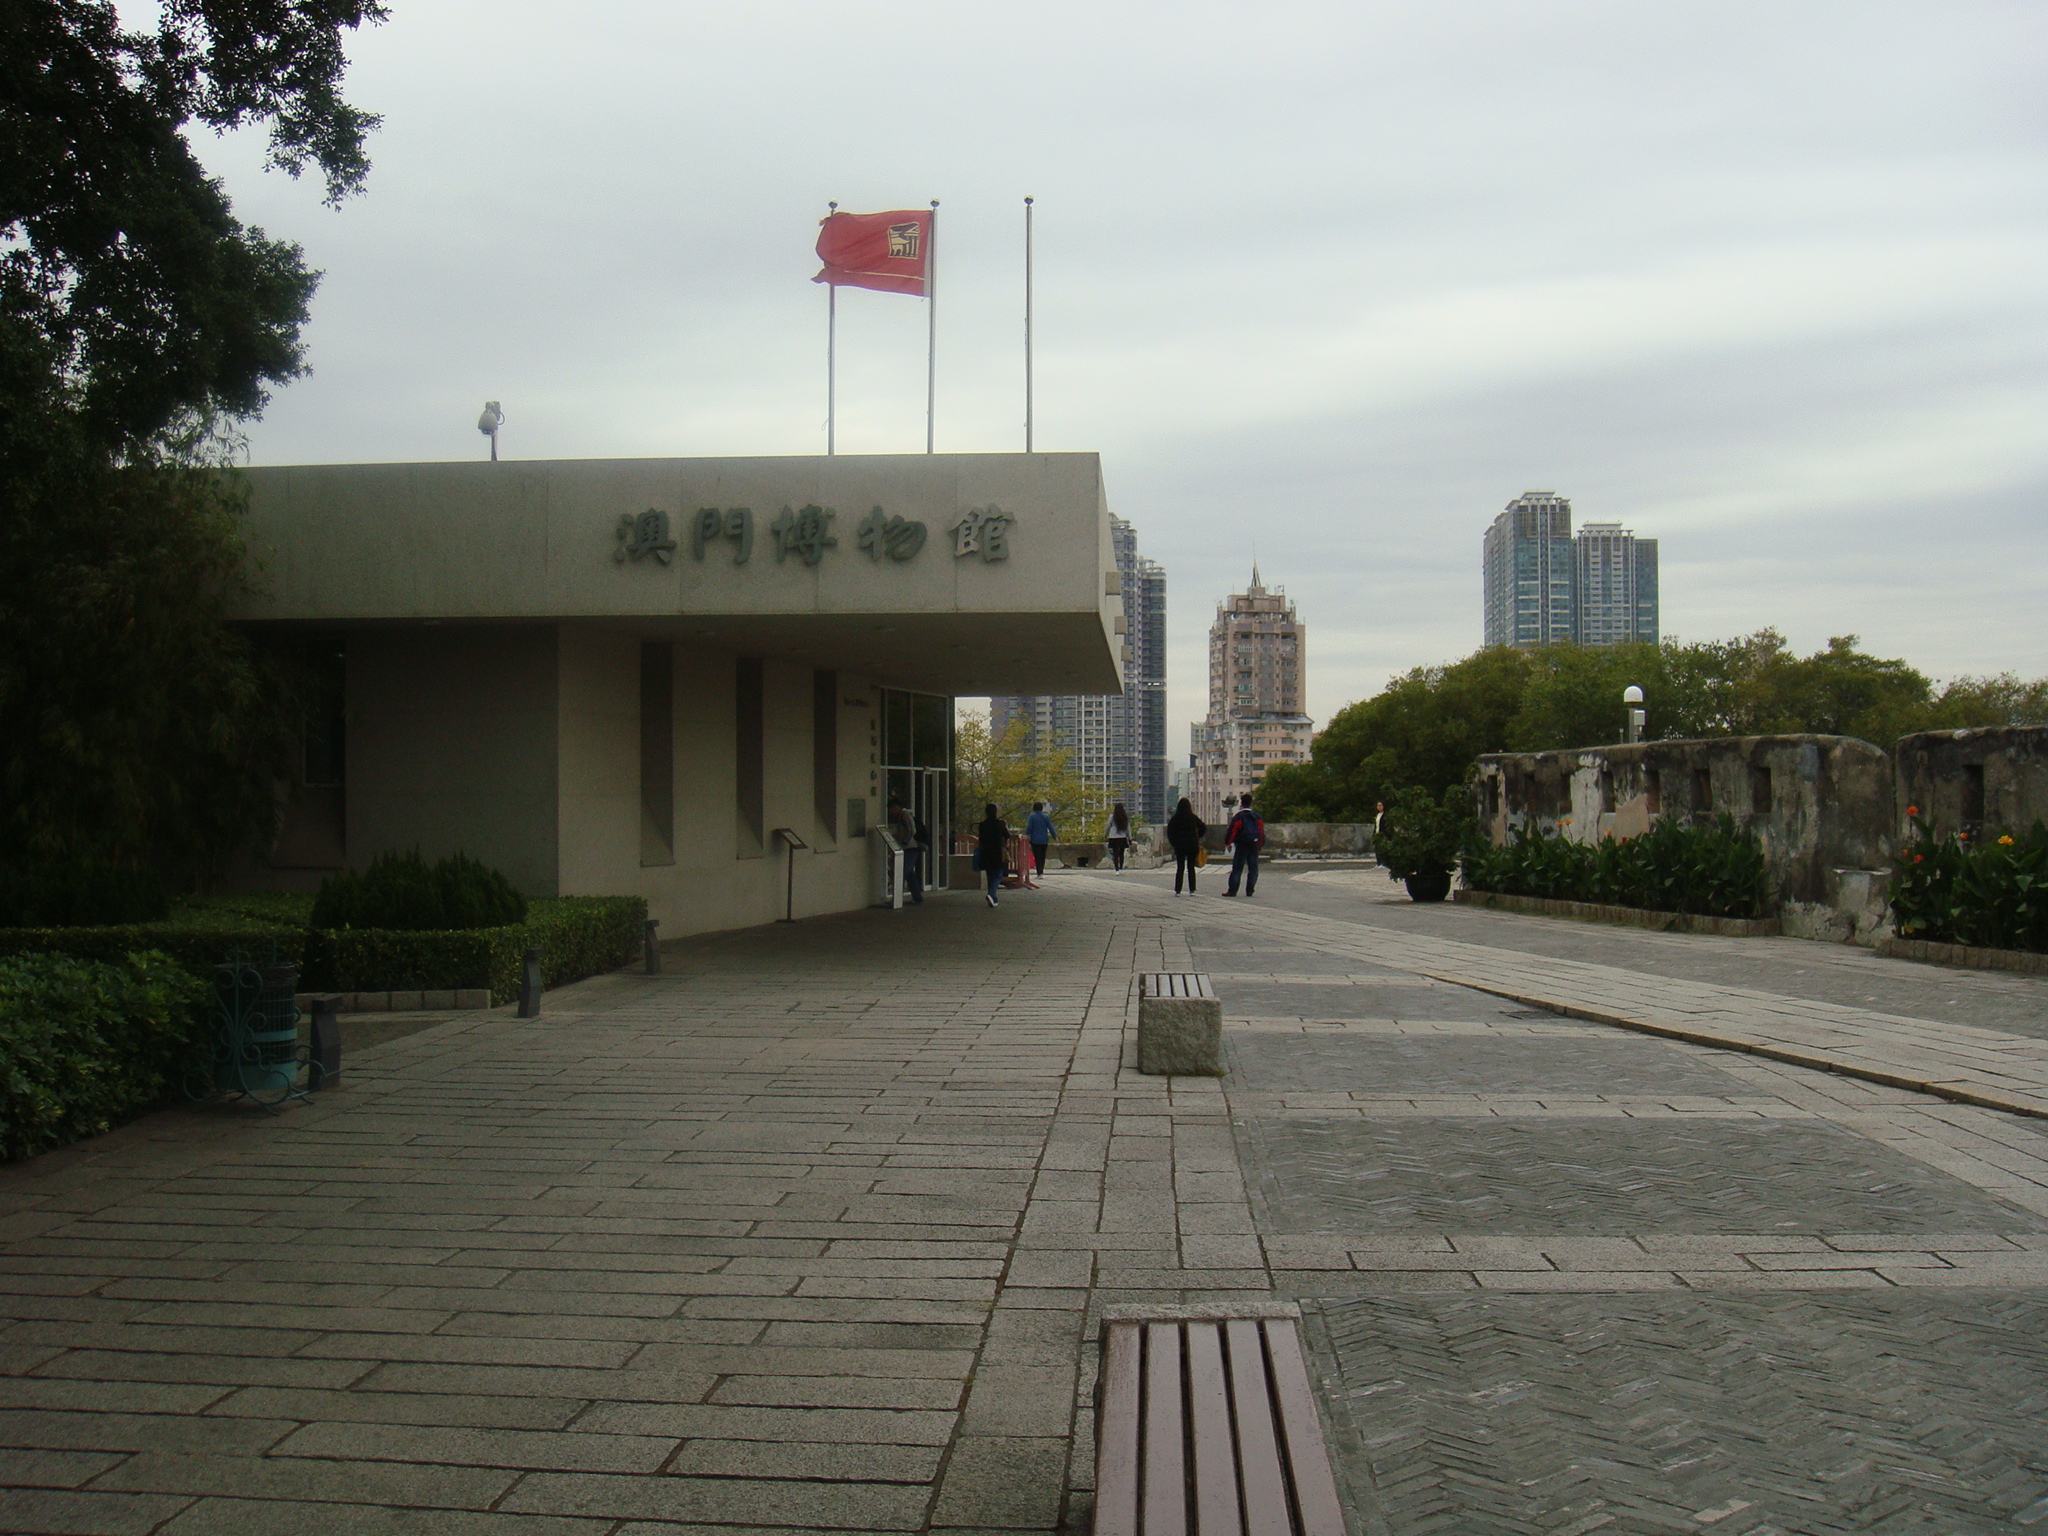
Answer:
x=1118 y=835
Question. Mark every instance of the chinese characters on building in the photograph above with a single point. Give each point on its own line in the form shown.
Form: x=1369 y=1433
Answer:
x=805 y=534
x=644 y=535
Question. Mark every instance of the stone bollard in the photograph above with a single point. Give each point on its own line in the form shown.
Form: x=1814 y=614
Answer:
x=1180 y=1026
x=653 y=947
x=529 y=985
x=325 y=1055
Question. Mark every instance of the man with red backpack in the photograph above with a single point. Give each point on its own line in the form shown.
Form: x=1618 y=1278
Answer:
x=1247 y=835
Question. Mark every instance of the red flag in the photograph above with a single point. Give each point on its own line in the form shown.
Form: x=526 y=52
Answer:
x=888 y=251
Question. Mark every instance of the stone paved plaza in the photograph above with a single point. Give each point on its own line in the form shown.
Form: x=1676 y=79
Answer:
x=809 y=1233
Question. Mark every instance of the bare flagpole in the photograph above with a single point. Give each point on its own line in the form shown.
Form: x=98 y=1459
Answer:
x=931 y=314
x=1027 y=323
x=832 y=361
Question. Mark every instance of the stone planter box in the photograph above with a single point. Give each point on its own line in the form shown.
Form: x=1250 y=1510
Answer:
x=2025 y=961
x=1631 y=917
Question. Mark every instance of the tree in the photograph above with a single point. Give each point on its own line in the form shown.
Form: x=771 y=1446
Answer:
x=1012 y=770
x=140 y=323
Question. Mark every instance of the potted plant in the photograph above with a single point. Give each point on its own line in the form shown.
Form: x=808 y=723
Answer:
x=1420 y=840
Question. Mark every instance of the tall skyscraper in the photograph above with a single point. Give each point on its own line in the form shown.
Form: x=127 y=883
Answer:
x=1258 y=682
x=1617 y=585
x=1530 y=572
x=1116 y=743
x=1543 y=586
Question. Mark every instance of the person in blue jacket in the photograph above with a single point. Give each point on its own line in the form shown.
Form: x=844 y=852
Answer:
x=1039 y=834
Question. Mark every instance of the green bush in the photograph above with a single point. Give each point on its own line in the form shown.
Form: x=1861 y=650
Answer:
x=78 y=895
x=1422 y=835
x=86 y=1046
x=402 y=891
x=198 y=946
x=1991 y=893
x=578 y=936
x=1711 y=870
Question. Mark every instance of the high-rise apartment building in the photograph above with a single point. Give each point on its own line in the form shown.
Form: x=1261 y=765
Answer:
x=1117 y=743
x=1530 y=572
x=1543 y=586
x=1616 y=579
x=1258 y=684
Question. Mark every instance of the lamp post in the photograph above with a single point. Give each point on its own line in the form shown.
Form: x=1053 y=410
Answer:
x=488 y=424
x=1632 y=697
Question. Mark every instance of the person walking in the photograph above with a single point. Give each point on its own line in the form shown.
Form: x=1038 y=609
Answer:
x=1039 y=834
x=1184 y=831
x=992 y=838
x=905 y=828
x=1247 y=835
x=1118 y=835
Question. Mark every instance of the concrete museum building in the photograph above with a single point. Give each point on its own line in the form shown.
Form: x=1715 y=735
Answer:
x=697 y=680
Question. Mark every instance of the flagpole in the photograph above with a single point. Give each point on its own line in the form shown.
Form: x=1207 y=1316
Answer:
x=1027 y=324
x=832 y=361
x=931 y=314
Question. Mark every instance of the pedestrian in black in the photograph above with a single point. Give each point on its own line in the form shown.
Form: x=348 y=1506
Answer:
x=1247 y=835
x=1184 y=831
x=991 y=846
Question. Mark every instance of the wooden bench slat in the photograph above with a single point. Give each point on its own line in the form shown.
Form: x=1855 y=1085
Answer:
x=1258 y=1445
x=1315 y=1488
x=1216 y=1512
x=1165 y=1498
x=1203 y=987
x=1116 y=1474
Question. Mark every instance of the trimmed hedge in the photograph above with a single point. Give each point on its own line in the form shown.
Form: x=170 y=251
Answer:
x=196 y=947
x=579 y=936
x=402 y=890
x=86 y=1045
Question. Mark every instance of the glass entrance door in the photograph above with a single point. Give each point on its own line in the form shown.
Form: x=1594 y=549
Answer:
x=917 y=768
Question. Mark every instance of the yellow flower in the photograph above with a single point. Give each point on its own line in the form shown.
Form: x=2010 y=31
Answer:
x=2005 y=841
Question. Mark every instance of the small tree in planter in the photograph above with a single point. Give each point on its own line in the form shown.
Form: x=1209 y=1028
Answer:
x=1421 y=839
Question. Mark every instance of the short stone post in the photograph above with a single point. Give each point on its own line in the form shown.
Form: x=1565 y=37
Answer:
x=653 y=947
x=325 y=1055
x=529 y=985
x=1180 y=1026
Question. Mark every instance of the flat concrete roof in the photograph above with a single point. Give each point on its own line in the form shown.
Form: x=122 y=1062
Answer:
x=729 y=552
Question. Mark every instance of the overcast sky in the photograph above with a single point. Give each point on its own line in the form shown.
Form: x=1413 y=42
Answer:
x=1335 y=282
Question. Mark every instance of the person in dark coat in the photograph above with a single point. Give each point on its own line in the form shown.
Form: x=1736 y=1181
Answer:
x=1184 y=831
x=992 y=844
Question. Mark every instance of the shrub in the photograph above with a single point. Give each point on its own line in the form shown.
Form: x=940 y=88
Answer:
x=404 y=892
x=1423 y=835
x=79 y=895
x=1713 y=870
x=85 y=1045
x=578 y=936
x=1991 y=893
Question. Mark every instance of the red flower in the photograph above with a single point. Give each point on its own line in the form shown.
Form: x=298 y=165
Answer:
x=1912 y=810
x=1919 y=858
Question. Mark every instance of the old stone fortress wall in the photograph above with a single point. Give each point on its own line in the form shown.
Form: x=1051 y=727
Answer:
x=1830 y=811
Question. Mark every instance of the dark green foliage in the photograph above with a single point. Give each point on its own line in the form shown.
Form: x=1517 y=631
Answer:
x=403 y=891
x=1423 y=834
x=1991 y=893
x=139 y=322
x=1427 y=727
x=197 y=945
x=78 y=895
x=1713 y=869
x=135 y=726
x=85 y=1046
x=578 y=935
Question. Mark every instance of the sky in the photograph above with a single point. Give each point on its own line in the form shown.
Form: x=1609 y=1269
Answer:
x=1325 y=285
